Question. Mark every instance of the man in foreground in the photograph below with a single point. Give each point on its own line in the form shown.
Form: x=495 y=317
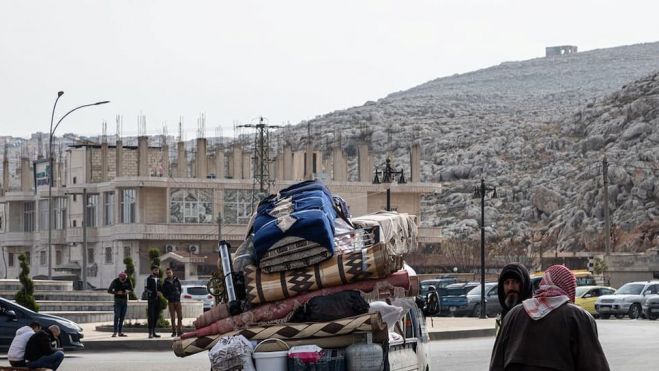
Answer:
x=153 y=290
x=16 y=352
x=514 y=287
x=171 y=289
x=40 y=352
x=549 y=332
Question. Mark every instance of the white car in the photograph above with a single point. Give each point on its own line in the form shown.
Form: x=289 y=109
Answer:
x=197 y=292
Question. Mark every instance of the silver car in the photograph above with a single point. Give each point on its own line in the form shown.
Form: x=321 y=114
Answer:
x=630 y=299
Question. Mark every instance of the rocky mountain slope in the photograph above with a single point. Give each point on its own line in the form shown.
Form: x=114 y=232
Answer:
x=537 y=130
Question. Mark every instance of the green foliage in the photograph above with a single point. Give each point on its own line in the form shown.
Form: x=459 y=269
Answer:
x=599 y=266
x=24 y=295
x=130 y=272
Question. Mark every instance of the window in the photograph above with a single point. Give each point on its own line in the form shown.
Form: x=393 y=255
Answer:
x=237 y=206
x=108 y=208
x=58 y=257
x=10 y=259
x=108 y=255
x=59 y=208
x=74 y=180
x=128 y=205
x=91 y=207
x=126 y=251
x=191 y=206
x=42 y=258
x=90 y=255
x=28 y=258
x=28 y=217
x=43 y=215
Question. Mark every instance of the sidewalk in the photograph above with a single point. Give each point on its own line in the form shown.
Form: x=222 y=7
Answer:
x=439 y=328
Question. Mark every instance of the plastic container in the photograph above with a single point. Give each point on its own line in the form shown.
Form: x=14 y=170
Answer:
x=330 y=360
x=364 y=357
x=271 y=361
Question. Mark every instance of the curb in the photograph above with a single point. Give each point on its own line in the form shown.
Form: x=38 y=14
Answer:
x=462 y=334
x=137 y=345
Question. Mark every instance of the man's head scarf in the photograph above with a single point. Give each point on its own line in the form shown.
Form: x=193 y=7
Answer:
x=557 y=287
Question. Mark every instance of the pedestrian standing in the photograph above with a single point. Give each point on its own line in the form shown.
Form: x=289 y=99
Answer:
x=549 y=332
x=153 y=290
x=120 y=287
x=171 y=289
x=514 y=287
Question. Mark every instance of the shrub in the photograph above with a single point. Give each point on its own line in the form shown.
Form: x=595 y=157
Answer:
x=24 y=295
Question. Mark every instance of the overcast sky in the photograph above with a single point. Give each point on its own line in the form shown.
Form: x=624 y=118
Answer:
x=285 y=60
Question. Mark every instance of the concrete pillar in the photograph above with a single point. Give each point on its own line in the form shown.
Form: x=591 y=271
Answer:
x=181 y=161
x=5 y=173
x=219 y=163
x=201 y=159
x=193 y=168
x=364 y=163
x=308 y=161
x=237 y=161
x=247 y=165
x=143 y=156
x=165 y=160
x=26 y=175
x=278 y=170
x=287 y=162
x=104 y=162
x=339 y=165
x=415 y=163
x=119 y=157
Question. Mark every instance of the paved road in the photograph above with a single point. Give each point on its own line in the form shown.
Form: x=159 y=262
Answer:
x=629 y=345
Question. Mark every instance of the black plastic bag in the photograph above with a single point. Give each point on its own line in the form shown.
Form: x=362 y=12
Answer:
x=331 y=307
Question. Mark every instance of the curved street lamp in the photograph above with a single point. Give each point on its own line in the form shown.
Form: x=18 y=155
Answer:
x=50 y=175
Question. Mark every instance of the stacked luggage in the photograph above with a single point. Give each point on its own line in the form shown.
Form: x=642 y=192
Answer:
x=309 y=271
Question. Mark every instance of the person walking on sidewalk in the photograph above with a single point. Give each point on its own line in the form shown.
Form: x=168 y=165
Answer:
x=40 y=352
x=171 y=289
x=16 y=352
x=152 y=291
x=549 y=332
x=120 y=287
x=513 y=288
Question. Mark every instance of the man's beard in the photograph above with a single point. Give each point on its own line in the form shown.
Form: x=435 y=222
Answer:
x=512 y=299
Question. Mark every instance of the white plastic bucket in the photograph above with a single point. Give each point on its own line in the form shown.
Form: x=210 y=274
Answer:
x=271 y=361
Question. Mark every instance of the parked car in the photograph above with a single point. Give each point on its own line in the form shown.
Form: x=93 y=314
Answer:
x=198 y=292
x=583 y=277
x=492 y=306
x=587 y=295
x=14 y=316
x=628 y=300
x=651 y=307
x=453 y=298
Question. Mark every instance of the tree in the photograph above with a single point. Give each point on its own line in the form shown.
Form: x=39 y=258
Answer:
x=130 y=272
x=154 y=257
x=24 y=295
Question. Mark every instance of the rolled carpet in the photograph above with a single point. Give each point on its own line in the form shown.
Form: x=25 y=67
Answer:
x=371 y=322
x=281 y=309
x=340 y=269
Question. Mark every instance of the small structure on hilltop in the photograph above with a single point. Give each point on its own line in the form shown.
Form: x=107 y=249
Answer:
x=552 y=51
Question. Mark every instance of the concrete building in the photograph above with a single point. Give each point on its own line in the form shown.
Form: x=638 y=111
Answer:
x=136 y=201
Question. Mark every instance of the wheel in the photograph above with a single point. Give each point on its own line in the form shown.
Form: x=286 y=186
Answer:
x=605 y=316
x=620 y=316
x=651 y=316
x=634 y=311
x=596 y=315
x=477 y=311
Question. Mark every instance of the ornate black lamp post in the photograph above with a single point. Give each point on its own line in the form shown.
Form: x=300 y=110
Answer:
x=388 y=175
x=481 y=192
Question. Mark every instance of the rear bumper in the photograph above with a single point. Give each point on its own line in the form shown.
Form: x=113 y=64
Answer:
x=612 y=308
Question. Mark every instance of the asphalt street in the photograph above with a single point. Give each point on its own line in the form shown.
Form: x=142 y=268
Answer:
x=630 y=345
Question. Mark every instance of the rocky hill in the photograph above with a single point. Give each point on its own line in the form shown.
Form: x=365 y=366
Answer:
x=537 y=130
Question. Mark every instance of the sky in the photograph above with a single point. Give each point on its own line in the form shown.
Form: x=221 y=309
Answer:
x=287 y=61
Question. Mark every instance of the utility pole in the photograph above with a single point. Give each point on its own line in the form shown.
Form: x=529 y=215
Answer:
x=262 y=153
x=481 y=192
x=607 y=219
x=84 y=238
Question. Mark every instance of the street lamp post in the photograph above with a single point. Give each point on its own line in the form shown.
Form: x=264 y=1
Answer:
x=388 y=174
x=50 y=175
x=480 y=192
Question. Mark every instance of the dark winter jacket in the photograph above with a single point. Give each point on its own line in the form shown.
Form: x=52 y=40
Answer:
x=171 y=289
x=517 y=271
x=39 y=345
x=117 y=285
x=152 y=287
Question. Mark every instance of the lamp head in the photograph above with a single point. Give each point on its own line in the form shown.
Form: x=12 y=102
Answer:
x=60 y=93
x=103 y=102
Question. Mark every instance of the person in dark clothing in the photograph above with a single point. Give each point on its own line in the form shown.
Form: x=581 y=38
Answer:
x=153 y=290
x=514 y=286
x=548 y=332
x=40 y=352
x=171 y=289
x=120 y=287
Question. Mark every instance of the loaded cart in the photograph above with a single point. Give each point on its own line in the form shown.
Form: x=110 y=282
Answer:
x=312 y=288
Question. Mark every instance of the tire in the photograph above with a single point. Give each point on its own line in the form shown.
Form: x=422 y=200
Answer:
x=620 y=316
x=634 y=311
x=477 y=311
x=605 y=316
x=652 y=316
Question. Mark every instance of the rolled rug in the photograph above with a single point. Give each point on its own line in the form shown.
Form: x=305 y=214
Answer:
x=371 y=322
x=340 y=269
x=216 y=313
x=282 y=308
